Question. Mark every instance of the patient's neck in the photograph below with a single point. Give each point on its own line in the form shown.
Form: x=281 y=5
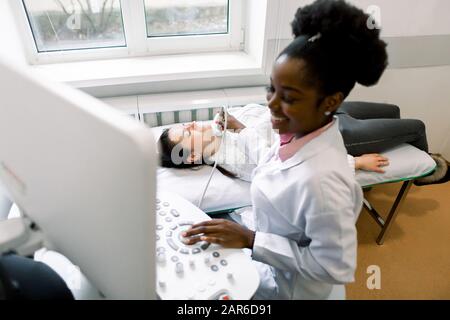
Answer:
x=212 y=147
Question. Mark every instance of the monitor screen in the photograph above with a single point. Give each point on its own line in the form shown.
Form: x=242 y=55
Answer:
x=85 y=174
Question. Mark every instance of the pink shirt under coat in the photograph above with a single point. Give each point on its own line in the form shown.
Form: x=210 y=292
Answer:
x=290 y=146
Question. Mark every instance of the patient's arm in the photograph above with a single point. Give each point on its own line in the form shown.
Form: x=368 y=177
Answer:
x=371 y=162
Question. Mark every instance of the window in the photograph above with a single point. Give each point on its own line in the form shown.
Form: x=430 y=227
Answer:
x=71 y=25
x=180 y=17
x=68 y=30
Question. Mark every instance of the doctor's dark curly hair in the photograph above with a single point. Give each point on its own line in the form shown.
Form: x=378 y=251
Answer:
x=340 y=48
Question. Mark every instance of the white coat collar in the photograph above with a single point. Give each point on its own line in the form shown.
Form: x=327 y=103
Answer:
x=327 y=139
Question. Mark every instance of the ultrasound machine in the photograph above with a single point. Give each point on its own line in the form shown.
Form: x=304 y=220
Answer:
x=84 y=178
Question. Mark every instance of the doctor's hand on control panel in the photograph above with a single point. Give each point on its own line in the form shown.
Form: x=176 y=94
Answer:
x=223 y=232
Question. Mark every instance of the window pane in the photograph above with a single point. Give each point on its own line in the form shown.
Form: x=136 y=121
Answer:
x=75 y=24
x=186 y=17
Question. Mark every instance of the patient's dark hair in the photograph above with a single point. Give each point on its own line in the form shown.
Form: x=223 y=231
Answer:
x=347 y=50
x=166 y=147
x=165 y=150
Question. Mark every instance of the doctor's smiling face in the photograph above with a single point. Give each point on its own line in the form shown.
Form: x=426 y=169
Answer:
x=296 y=104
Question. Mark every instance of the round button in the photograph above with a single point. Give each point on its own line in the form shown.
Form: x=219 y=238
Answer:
x=224 y=262
x=168 y=219
x=205 y=245
x=157 y=237
x=162 y=213
x=158 y=207
x=165 y=204
x=158 y=201
x=159 y=227
x=179 y=268
x=161 y=257
x=214 y=268
x=216 y=254
x=184 y=251
x=174 y=259
x=160 y=249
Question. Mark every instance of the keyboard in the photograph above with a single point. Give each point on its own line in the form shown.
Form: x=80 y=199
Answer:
x=202 y=271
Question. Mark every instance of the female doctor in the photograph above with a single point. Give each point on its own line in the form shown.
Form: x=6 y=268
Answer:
x=305 y=198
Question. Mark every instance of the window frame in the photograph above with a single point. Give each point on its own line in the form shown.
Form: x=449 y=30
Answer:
x=202 y=43
x=137 y=42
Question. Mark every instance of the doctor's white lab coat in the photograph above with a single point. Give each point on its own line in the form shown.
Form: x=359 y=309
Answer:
x=304 y=213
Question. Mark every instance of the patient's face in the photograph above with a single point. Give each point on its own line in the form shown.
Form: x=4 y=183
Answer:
x=193 y=136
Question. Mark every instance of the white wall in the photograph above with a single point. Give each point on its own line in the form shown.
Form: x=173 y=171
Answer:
x=446 y=149
x=11 y=46
x=398 y=17
x=421 y=93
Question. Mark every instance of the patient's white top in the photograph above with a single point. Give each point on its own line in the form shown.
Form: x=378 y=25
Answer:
x=240 y=152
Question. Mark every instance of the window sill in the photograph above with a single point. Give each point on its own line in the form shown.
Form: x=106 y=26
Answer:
x=147 y=70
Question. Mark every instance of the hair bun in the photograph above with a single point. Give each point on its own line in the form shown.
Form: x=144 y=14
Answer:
x=344 y=30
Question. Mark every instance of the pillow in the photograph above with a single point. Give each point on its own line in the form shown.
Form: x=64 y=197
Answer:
x=405 y=163
x=223 y=193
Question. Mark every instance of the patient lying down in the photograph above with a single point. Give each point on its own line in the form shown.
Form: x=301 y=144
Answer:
x=249 y=136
